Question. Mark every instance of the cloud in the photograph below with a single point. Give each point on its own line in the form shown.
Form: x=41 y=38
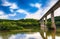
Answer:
x=3 y=16
x=14 y=6
x=14 y=14
x=36 y=15
x=1 y=12
x=6 y=3
x=12 y=10
x=37 y=5
x=42 y=11
x=22 y=11
x=6 y=16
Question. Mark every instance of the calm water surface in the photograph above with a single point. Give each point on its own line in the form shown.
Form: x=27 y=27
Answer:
x=27 y=35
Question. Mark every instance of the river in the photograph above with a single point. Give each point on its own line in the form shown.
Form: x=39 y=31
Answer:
x=27 y=35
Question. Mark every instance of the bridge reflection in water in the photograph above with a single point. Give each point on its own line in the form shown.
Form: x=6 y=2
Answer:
x=49 y=35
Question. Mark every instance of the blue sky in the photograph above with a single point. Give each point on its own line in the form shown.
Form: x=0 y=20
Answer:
x=22 y=9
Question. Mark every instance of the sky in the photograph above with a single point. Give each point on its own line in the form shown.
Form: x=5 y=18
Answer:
x=24 y=9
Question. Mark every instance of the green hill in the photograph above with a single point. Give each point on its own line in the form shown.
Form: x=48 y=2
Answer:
x=23 y=24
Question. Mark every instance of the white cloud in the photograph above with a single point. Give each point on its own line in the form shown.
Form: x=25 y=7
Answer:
x=11 y=10
x=6 y=3
x=1 y=12
x=22 y=11
x=36 y=15
x=40 y=12
x=14 y=6
x=38 y=5
x=6 y=16
x=3 y=16
x=14 y=14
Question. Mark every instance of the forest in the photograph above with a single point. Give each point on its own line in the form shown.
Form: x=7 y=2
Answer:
x=22 y=24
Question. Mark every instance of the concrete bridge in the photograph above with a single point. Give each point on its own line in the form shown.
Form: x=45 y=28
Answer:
x=43 y=23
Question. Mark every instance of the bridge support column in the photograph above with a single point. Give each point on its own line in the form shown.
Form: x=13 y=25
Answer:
x=46 y=26
x=45 y=23
x=42 y=28
x=53 y=25
x=53 y=22
x=42 y=24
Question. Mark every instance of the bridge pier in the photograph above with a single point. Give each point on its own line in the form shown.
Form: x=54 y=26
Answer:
x=42 y=27
x=45 y=23
x=53 y=21
x=53 y=25
x=42 y=24
x=46 y=26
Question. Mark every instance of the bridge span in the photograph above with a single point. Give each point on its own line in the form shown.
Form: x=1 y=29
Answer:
x=43 y=23
x=50 y=11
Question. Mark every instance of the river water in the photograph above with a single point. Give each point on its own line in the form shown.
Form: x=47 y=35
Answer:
x=28 y=35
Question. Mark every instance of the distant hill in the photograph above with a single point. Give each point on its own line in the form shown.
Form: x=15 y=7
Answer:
x=21 y=24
